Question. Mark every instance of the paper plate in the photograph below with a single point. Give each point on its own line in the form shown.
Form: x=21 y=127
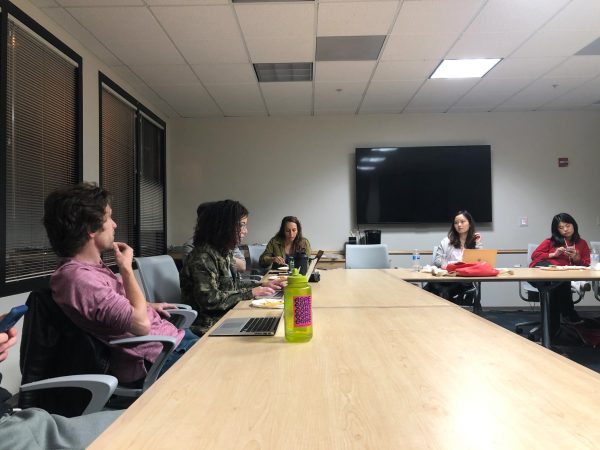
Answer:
x=267 y=303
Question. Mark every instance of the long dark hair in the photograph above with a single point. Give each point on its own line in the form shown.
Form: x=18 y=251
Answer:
x=453 y=234
x=71 y=213
x=298 y=239
x=557 y=239
x=219 y=225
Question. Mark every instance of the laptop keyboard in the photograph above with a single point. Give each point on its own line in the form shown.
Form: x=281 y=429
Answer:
x=261 y=325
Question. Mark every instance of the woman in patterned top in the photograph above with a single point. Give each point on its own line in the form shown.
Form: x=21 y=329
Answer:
x=210 y=283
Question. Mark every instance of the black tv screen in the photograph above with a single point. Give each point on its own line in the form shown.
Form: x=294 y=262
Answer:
x=422 y=184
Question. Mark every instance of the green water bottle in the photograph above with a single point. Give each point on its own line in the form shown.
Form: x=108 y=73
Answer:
x=297 y=308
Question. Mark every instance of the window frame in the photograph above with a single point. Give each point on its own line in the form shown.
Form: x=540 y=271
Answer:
x=8 y=9
x=140 y=111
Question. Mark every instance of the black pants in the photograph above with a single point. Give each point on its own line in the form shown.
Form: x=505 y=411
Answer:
x=561 y=302
x=455 y=292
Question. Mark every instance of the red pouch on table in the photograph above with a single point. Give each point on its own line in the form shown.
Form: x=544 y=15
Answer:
x=479 y=269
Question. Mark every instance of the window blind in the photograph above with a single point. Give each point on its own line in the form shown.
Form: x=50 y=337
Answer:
x=118 y=142
x=152 y=189
x=42 y=146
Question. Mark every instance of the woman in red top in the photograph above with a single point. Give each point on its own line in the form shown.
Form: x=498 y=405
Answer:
x=564 y=248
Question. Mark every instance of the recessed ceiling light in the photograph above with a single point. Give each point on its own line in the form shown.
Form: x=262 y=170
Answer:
x=464 y=68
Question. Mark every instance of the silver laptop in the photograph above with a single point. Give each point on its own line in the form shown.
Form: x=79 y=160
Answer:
x=248 y=326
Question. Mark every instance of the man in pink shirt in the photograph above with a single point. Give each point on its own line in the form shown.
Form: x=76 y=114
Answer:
x=80 y=228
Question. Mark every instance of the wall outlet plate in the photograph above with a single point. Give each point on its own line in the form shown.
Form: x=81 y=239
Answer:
x=523 y=221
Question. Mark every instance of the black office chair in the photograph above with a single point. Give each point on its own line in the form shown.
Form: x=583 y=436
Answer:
x=53 y=346
x=530 y=294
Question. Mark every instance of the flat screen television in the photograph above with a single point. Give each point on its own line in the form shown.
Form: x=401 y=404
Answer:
x=422 y=184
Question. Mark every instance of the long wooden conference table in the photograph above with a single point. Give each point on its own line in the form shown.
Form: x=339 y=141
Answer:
x=390 y=366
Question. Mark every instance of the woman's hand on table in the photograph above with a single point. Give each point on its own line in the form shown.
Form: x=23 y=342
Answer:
x=262 y=291
x=279 y=260
x=275 y=284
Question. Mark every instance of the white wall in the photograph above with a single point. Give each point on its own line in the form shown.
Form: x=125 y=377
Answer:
x=303 y=166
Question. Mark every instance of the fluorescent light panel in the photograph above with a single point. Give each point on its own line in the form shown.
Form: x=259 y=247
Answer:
x=464 y=68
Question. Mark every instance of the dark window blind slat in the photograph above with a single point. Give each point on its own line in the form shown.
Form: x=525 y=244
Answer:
x=118 y=165
x=152 y=190
x=42 y=146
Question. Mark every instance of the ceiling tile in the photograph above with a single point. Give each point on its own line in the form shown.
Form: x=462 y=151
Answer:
x=225 y=73
x=389 y=96
x=237 y=99
x=187 y=23
x=68 y=3
x=356 y=18
x=489 y=93
x=161 y=52
x=538 y=93
x=435 y=17
x=585 y=95
x=127 y=24
x=414 y=47
x=166 y=74
x=288 y=98
x=43 y=3
x=487 y=45
x=184 y=2
x=269 y=50
x=276 y=19
x=577 y=66
x=344 y=70
x=219 y=51
x=523 y=67
x=404 y=89
x=405 y=70
x=338 y=96
x=577 y=15
x=349 y=48
x=440 y=93
x=66 y=21
x=499 y=16
x=188 y=101
x=550 y=42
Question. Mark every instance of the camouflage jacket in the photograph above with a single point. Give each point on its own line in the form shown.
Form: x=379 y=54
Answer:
x=211 y=285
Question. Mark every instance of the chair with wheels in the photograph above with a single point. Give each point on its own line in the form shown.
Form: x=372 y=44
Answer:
x=53 y=346
x=160 y=282
x=530 y=294
x=370 y=256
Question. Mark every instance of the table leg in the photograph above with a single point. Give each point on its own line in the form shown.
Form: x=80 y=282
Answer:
x=545 y=312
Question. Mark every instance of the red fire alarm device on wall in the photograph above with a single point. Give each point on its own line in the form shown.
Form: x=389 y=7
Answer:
x=563 y=162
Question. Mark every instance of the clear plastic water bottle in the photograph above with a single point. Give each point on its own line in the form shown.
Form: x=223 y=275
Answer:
x=416 y=260
x=594 y=259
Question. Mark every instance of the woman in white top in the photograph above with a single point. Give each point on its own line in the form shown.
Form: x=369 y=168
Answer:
x=462 y=235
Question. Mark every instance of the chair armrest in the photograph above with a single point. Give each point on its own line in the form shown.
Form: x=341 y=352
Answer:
x=169 y=343
x=100 y=386
x=182 y=306
x=165 y=340
x=182 y=318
